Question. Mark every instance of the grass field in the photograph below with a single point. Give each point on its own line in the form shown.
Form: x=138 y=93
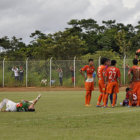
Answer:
x=63 y=116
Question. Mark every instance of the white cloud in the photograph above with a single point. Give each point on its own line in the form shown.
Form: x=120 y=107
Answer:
x=130 y=3
x=20 y=18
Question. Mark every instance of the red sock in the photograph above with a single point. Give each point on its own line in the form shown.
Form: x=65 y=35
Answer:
x=86 y=97
x=114 y=99
x=89 y=97
x=99 y=99
x=105 y=99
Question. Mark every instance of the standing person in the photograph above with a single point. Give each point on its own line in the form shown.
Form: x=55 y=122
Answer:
x=112 y=79
x=21 y=74
x=101 y=81
x=135 y=80
x=72 y=74
x=60 y=74
x=89 y=83
x=16 y=73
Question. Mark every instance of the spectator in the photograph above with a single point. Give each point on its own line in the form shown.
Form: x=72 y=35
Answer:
x=60 y=73
x=44 y=81
x=53 y=82
x=21 y=74
x=72 y=74
x=16 y=74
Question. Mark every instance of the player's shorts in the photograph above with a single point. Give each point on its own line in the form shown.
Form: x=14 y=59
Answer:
x=89 y=86
x=11 y=106
x=101 y=86
x=112 y=87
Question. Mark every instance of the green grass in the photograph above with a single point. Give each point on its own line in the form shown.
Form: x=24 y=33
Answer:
x=63 y=116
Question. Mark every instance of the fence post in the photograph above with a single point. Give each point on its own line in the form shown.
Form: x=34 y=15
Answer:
x=124 y=68
x=99 y=61
x=51 y=71
x=3 y=72
x=27 y=72
x=74 y=72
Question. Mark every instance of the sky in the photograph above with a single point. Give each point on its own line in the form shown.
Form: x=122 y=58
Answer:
x=20 y=18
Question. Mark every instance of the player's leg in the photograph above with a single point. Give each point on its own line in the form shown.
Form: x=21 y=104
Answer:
x=32 y=106
x=114 y=99
x=3 y=103
x=99 y=99
x=100 y=96
x=89 y=88
x=108 y=91
x=35 y=100
x=115 y=90
x=89 y=97
x=106 y=99
x=111 y=98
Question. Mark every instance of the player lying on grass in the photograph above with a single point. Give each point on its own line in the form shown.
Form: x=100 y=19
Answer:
x=23 y=106
x=130 y=99
x=134 y=78
x=112 y=80
x=89 y=82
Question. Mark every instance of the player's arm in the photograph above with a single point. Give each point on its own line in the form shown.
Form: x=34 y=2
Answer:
x=81 y=71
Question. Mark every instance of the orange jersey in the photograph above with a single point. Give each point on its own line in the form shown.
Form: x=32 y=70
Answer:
x=89 y=70
x=112 y=74
x=101 y=72
x=135 y=71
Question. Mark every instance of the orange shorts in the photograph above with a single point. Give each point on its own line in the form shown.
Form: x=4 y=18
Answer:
x=112 y=87
x=136 y=88
x=101 y=86
x=89 y=86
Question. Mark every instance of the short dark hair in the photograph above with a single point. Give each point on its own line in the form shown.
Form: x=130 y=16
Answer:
x=127 y=89
x=113 y=62
x=31 y=110
x=135 y=62
x=103 y=60
x=90 y=60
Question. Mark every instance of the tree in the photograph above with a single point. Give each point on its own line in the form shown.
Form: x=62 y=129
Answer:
x=122 y=42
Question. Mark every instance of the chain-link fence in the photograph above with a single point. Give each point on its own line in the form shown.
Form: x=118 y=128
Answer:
x=52 y=73
x=1 y=73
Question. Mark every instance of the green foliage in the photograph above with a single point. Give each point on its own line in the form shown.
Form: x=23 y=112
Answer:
x=83 y=37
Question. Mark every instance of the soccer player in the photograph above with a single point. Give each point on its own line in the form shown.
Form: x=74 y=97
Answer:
x=89 y=82
x=23 y=106
x=101 y=80
x=130 y=99
x=112 y=80
x=135 y=80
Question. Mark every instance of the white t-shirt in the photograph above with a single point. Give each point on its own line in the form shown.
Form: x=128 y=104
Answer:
x=15 y=71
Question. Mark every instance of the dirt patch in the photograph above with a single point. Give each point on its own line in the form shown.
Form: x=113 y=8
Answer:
x=30 y=89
